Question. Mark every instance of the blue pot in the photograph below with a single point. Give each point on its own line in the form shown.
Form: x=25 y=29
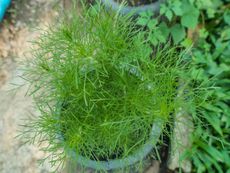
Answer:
x=4 y=4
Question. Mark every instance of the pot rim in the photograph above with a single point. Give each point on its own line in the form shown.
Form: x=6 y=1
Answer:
x=140 y=154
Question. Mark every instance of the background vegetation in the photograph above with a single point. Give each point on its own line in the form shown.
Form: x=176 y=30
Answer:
x=205 y=25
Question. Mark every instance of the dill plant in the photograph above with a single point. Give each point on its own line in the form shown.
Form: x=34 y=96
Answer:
x=99 y=86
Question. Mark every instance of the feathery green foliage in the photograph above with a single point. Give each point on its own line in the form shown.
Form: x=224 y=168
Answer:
x=99 y=86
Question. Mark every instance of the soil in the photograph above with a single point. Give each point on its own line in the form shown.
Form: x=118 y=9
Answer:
x=137 y=2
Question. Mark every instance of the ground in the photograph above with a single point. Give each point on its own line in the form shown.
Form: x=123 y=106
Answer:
x=15 y=33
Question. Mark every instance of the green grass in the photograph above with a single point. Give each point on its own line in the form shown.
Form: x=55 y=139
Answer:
x=99 y=86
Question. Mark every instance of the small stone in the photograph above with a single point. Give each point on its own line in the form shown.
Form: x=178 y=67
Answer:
x=3 y=77
x=154 y=168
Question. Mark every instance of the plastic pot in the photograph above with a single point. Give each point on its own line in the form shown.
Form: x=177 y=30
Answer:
x=4 y=4
x=112 y=4
x=130 y=160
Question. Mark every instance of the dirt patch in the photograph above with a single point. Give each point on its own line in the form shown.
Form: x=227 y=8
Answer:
x=19 y=28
